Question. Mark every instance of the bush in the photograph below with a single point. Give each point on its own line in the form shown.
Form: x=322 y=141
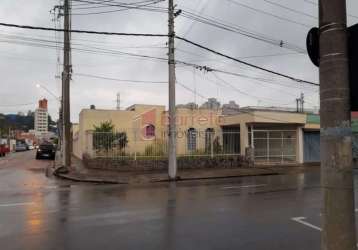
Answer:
x=158 y=148
x=104 y=137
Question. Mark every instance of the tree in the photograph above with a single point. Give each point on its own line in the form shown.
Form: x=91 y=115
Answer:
x=104 y=127
x=105 y=138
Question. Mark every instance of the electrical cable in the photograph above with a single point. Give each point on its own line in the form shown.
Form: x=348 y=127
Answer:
x=162 y=35
x=246 y=63
x=118 y=80
x=290 y=9
x=269 y=14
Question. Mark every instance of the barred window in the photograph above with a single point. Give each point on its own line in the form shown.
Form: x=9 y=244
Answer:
x=150 y=131
x=192 y=134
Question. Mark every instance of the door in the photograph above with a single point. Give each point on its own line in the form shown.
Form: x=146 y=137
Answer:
x=311 y=146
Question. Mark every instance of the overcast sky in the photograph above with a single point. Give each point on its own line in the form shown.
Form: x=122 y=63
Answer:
x=23 y=65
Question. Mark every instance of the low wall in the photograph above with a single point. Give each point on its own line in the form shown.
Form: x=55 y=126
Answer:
x=196 y=162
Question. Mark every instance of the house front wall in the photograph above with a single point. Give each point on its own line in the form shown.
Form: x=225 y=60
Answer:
x=134 y=120
x=199 y=121
x=131 y=122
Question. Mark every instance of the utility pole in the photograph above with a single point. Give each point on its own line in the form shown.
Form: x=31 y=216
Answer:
x=338 y=217
x=297 y=105
x=302 y=102
x=172 y=168
x=118 y=101
x=66 y=77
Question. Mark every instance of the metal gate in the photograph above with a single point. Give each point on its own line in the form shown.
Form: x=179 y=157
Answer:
x=311 y=146
x=274 y=145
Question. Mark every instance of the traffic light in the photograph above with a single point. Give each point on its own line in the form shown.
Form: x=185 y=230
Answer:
x=313 y=52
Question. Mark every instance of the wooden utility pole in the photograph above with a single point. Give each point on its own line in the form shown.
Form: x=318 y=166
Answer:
x=66 y=78
x=338 y=217
x=172 y=169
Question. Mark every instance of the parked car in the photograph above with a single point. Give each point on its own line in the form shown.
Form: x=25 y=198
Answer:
x=20 y=147
x=46 y=150
x=30 y=147
x=4 y=150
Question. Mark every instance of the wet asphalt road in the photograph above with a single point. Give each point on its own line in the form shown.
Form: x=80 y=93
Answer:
x=37 y=212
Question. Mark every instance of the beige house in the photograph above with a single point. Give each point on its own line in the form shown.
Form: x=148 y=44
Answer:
x=275 y=136
x=145 y=126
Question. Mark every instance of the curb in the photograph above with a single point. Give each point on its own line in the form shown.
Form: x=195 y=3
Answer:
x=180 y=179
x=84 y=180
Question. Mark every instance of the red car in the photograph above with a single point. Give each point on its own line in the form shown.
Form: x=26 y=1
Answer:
x=4 y=150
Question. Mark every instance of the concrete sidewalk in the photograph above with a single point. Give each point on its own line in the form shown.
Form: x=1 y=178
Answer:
x=81 y=174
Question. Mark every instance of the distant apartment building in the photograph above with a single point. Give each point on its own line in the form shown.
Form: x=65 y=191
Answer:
x=230 y=108
x=41 y=117
x=212 y=103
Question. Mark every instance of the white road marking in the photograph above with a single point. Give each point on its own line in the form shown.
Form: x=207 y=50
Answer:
x=246 y=186
x=301 y=221
x=17 y=204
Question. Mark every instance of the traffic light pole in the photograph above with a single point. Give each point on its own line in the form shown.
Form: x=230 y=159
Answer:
x=338 y=217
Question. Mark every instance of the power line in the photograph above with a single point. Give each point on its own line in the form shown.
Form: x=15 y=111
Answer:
x=118 y=80
x=124 y=6
x=220 y=24
x=162 y=35
x=191 y=90
x=18 y=105
x=22 y=36
x=96 y=51
x=249 y=112
x=246 y=63
x=209 y=21
x=269 y=14
x=98 y=5
x=313 y=3
x=82 y=31
x=191 y=26
x=243 y=92
x=290 y=9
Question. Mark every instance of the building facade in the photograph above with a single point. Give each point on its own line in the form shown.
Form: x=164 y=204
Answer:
x=41 y=117
x=146 y=129
x=266 y=136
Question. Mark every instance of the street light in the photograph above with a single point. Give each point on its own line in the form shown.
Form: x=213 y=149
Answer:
x=48 y=91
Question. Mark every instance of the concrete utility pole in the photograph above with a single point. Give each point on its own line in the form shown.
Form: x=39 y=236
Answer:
x=172 y=169
x=66 y=77
x=302 y=102
x=338 y=217
x=118 y=101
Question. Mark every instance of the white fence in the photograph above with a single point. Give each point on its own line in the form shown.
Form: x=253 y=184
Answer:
x=131 y=144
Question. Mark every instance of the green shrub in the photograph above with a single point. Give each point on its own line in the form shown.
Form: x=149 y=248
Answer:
x=157 y=148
